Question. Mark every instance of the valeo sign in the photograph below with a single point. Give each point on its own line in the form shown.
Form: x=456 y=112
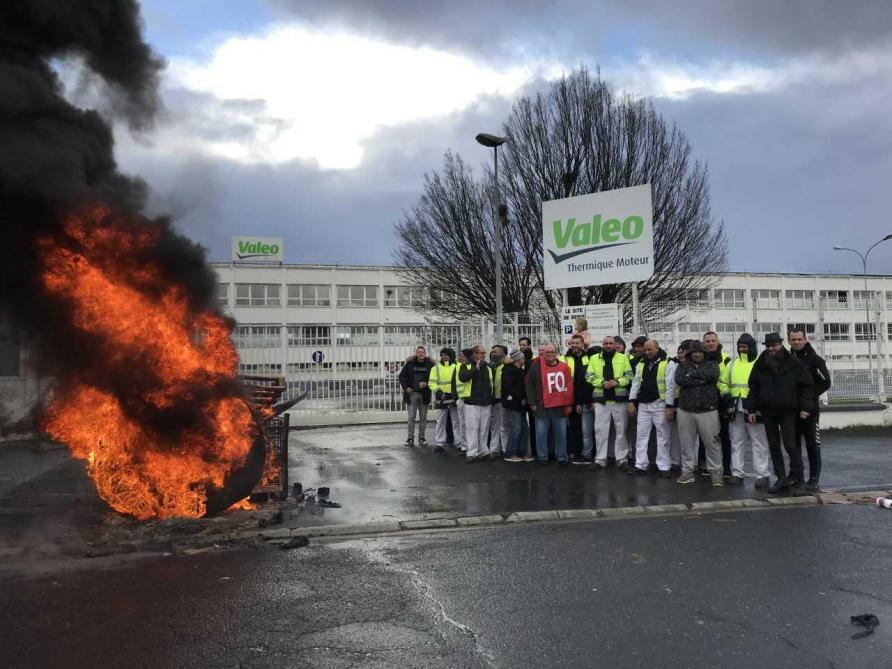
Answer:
x=600 y=238
x=258 y=248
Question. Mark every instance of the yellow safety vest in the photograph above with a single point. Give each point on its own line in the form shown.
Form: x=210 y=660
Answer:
x=622 y=373
x=661 y=377
x=570 y=361
x=440 y=377
x=463 y=388
x=735 y=378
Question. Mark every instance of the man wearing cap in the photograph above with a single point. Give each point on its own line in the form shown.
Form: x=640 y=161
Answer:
x=610 y=376
x=807 y=428
x=735 y=388
x=697 y=414
x=781 y=390
x=549 y=392
x=478 y=380
x=514 y=405
x=440 y=383
x=652 y=396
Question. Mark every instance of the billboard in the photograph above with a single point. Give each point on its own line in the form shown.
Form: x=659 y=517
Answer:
x=603 y=320
x=599 y=238
x=253 y=249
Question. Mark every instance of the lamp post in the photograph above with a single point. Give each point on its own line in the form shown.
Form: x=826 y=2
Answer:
x=494 y=142
x=863 y=257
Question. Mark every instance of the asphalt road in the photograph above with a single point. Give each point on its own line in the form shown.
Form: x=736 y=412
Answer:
x=752 y=588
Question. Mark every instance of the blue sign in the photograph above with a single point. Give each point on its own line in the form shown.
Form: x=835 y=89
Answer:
x=318 y=356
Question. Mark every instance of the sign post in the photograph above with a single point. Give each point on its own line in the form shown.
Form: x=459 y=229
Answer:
x=597 y=239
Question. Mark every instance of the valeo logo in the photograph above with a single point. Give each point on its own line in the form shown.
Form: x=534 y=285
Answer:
x=581 y=238
x=255 y=249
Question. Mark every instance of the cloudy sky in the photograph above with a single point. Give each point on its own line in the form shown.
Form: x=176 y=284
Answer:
x=316 y=120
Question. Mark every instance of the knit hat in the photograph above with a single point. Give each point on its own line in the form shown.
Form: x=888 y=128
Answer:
x=468 y=353
x=516 y=355
x=695 y=346
x=619 y=340
x=639 y=341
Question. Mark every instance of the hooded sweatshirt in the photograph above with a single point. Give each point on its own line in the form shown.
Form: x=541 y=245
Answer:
x=697 y=383
x=732 y=397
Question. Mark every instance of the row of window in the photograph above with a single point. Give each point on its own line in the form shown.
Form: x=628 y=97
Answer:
x=319 y=295
x=734 y=298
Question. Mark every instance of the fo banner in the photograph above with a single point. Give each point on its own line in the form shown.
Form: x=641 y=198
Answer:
x=605 y=237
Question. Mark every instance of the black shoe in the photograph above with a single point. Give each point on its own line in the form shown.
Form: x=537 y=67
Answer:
x=624 y=466
x=666 y=474
x=410 y=442
x=471 y=458
x=812 y=485
x=634 y=471
x=703 y=471
x=762 y=482
x=422 y=441
x=563 y=463
x=732 y=480
x=439 y=449
x=544 y=463
x=449 y=443
x=778 y=487
x=597 y=467
x=675 y=469
x=796 y=485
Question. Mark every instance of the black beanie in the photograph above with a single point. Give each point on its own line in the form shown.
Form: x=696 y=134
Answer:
x=468 y=353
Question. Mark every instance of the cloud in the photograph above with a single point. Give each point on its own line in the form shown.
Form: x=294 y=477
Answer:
x=322 y=93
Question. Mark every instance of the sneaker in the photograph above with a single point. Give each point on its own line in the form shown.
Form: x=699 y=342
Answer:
x=703 y=471
x=563 y=463
x=514 y=458
x=796 y=485
x=463 y=449
x=624 y=466
x=598 y=466
x=634 y=471
x=812 y=485
x=717 y=481
x=762 y=482
x=471 y=458
x=580 y=461
x=422 y=441
x=490 y=456
x=732 y=480
x=529 y=458
x=686 y=478
x=675 y=468
x=439 y=449
x=410 y=442
x=665 y=473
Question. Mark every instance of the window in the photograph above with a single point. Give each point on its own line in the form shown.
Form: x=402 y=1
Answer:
x=696 y=329
x=726 y=298
x=309 y=295
x=836 y=332
x=697 y=299
x=223 y=294
x=835 y=299
x=403 y=335
x=865 y=332
x=257 y=336
x=309 y=335
x=766 y=299
x=730 y=329
x=357 y=335
x=303 y=367
x=404 y=296
x=257 y=295
x=357 y=296
x=800 y=299
x=10 y=349
x=765 y=328
x=260 y=368
x=864 y=299
x=808 y=327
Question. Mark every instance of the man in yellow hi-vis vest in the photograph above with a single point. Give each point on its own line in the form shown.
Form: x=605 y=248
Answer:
x=652 y=396
x=440 y=384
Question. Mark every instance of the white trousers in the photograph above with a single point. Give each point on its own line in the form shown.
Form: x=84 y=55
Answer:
x=605 y=414
x=476 y=429
x=745 y=434
x=443 y=412
x=652 y=413
x=461 y=441
x=498 y=429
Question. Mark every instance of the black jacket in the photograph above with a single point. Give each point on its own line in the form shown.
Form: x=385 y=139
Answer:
x=582 y=389
x=817 y=368
x=512 y=388
x=780 y=385
x=697 y=389
x=481 y=387
x=413 y=373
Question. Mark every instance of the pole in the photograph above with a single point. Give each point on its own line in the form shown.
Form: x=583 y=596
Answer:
x=868 y=334
x=497 y=226
x=635 y=317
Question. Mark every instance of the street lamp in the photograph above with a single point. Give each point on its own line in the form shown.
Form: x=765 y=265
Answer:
x=494 y=142
x=863 y=257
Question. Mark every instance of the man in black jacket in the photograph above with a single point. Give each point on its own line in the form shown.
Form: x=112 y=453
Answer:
x=414 y=379
x=478 y=381
x=697 y=415
x=715 y=354
x=781 y=390
x=580 y=426
x=807 y=428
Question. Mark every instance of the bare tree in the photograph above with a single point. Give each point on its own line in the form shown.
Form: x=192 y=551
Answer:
x=575 y=138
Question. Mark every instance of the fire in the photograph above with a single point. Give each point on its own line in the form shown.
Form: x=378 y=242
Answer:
x=155 y=412
x=242 y=505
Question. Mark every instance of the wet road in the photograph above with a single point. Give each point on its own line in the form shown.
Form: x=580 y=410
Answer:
x=376 y=478
x=773 y=587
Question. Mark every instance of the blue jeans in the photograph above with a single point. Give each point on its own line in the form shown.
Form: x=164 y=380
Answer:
x=554 y=421
x=588 y=432
x=515 y=434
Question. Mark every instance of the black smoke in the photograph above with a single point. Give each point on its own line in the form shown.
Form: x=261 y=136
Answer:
x=56 y=158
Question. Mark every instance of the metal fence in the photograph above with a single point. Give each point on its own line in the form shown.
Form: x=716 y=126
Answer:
x=355 y=367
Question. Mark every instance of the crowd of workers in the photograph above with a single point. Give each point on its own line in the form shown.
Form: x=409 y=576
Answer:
x=705 y=408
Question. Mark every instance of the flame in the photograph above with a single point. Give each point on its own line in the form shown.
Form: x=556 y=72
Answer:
x=101 y=270
x=242 y=505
